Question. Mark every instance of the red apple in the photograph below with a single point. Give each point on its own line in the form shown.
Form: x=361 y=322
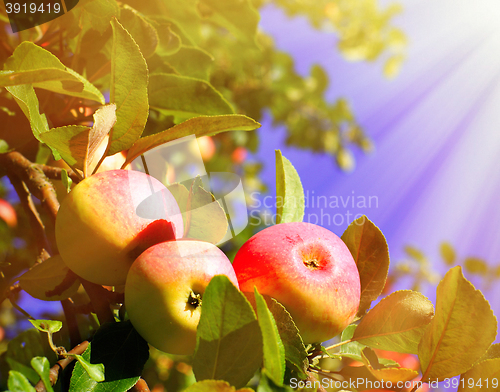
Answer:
x=164 y=291
x=239 y=155
x=109 y=219
x=8 y=213
x=309 y=270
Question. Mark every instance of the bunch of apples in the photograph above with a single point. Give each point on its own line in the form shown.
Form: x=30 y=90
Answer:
x=123 y=227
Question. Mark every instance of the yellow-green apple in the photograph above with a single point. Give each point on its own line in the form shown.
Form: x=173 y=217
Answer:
x=109 y=219
x=306 y=268
x=207 y=147
x=164 y=291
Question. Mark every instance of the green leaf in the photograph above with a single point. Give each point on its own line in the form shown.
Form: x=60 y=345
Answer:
x=31 y=64
x=214 y=386
x=98 y=13
x=66 y=180
x=43 y=154
x=23 y=348
x=79 y=145
x=140 y=29
x=26 y=371
x=169 y=41
x=42 y=367
x=229 y=341
x=353 y=349
x=46 y=77
x=27 y=100
x=95 y=372
x=184 y=97
x=484 y=377
x=461 y=332
x=42 y=280
x=448 y=253
x=267 y=385
x=191 y=61
x=289 y=192
x=187 y=18
x=198 y=126
x=274 y=351
x=4 y=147
x=121 y=350
x=18 y=382
x=369 y=249
x=396 y=323
x=240 y=17
x=129 y=89
x=49 y=326
x=295 y=351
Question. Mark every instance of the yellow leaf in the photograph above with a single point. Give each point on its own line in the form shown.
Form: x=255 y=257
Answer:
x=44 y=278
x=396 y=323
x=369 y=249
x=484 y=377
x=448 y=253
x=462 y=329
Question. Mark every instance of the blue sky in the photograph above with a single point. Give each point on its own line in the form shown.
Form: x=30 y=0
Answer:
x=435 y=170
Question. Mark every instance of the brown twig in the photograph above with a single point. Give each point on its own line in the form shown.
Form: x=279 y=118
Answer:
x=84 y=308
x=70 y=315
x=99 y=297
x=140 y=386
x=31 y=212
x=314 y=381
x=56 y=370
x=31 y=174
x=55 y=173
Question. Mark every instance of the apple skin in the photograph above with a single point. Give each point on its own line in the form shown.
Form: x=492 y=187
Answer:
x=8 y=213
x=110 y=218
x=323 y=296
x=160 y=287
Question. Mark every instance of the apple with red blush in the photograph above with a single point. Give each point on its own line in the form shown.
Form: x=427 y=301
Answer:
x=309 y=270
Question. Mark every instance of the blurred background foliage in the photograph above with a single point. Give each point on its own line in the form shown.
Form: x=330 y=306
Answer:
x=214 y=45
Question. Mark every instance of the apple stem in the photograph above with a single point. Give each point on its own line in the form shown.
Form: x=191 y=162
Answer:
x=338 y=344
x=312 y=264
x=328 y=373
x=98 y=297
